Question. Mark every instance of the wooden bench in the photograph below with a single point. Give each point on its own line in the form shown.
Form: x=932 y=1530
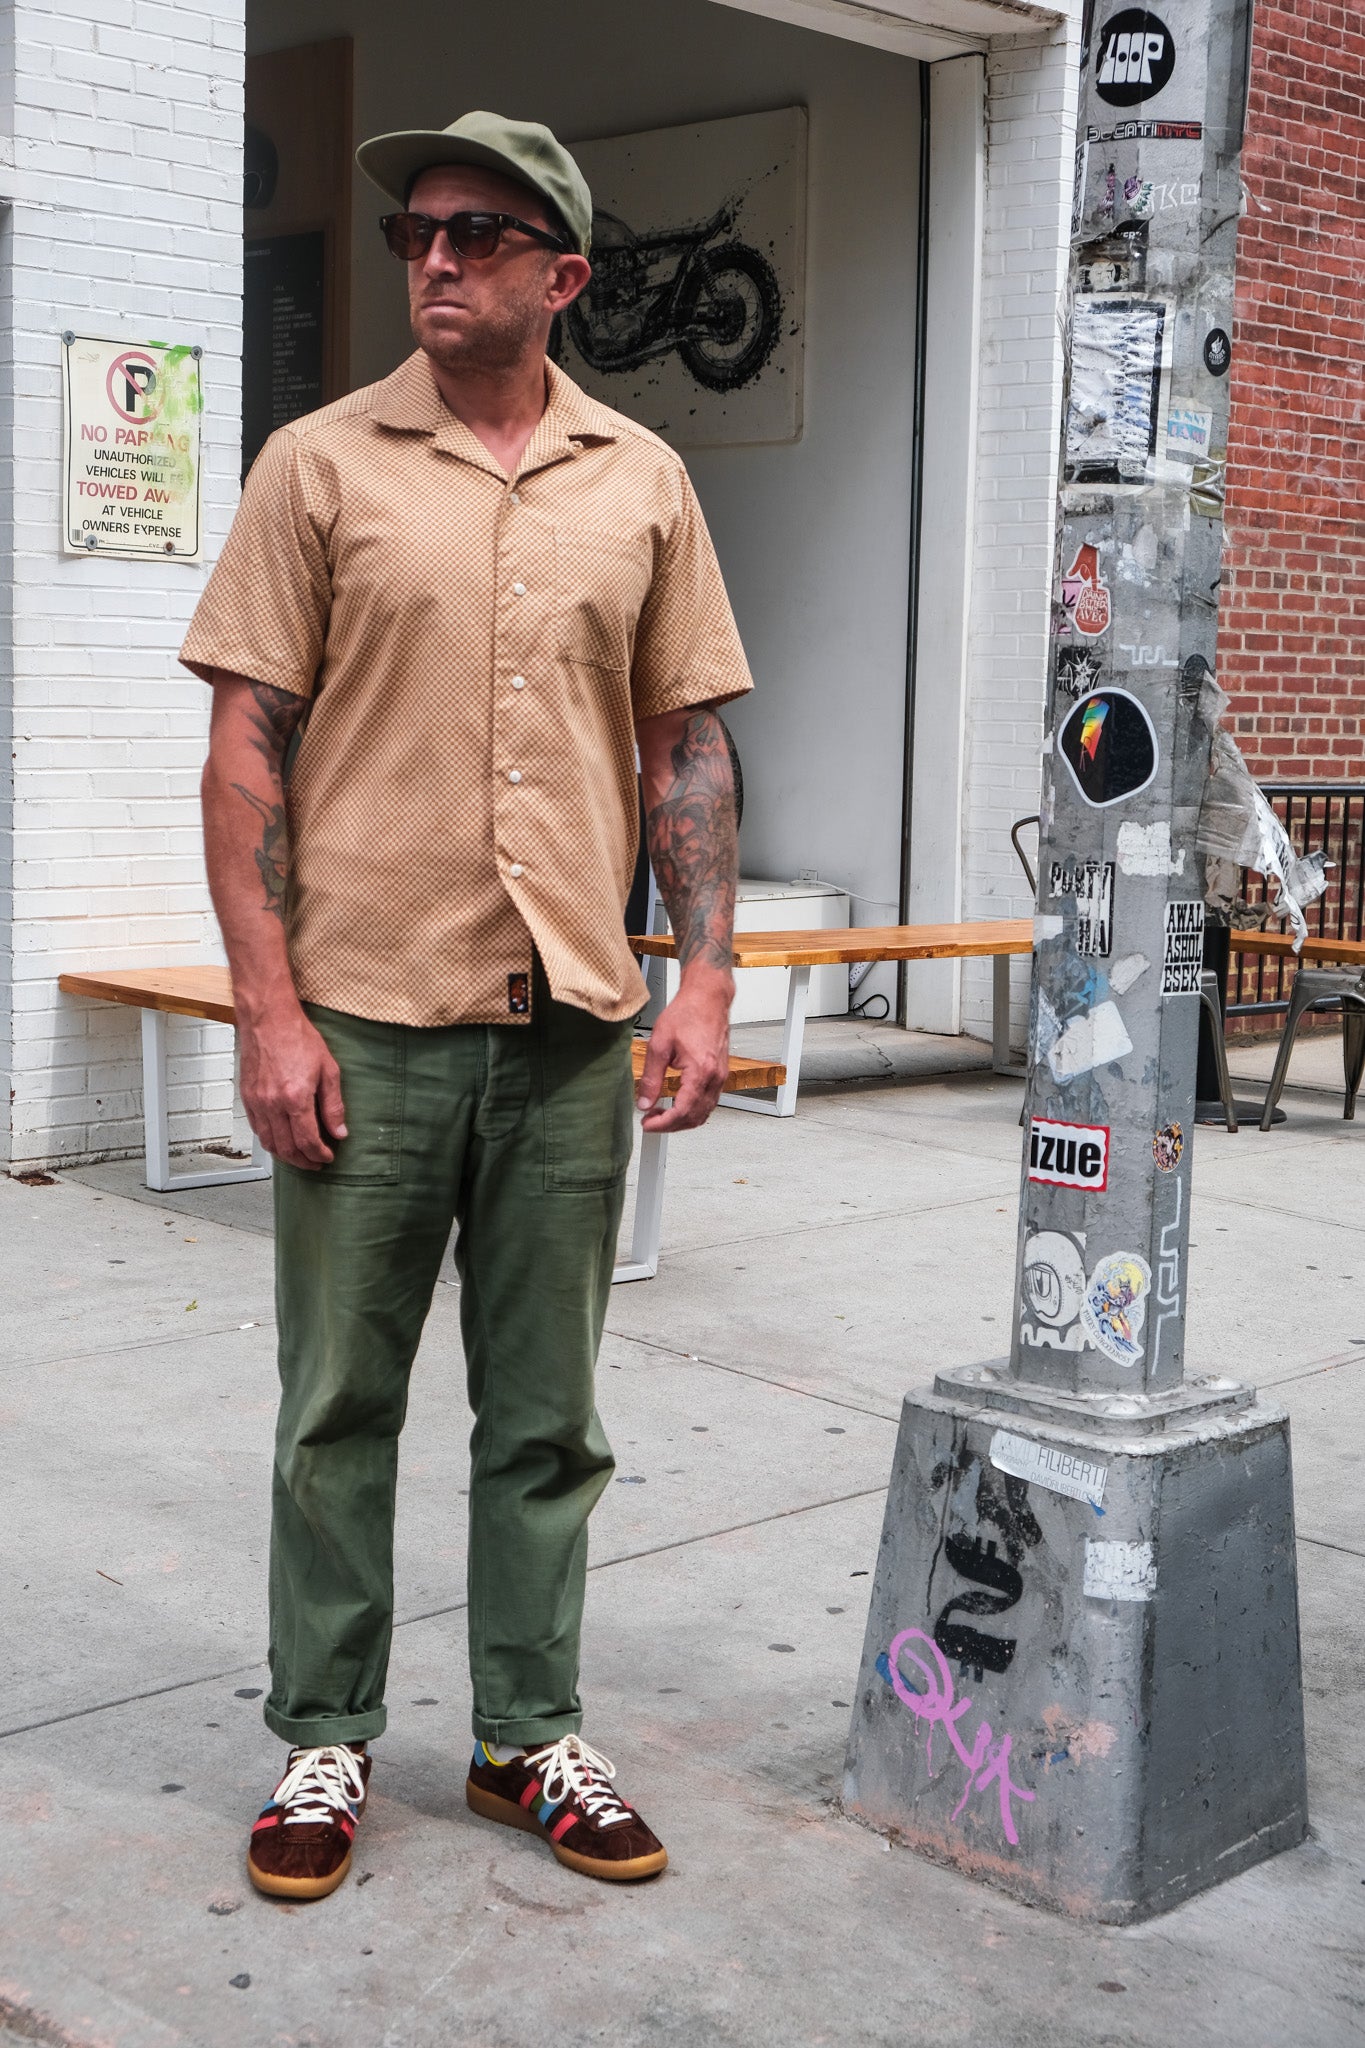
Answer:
x=996 y=939
x=206 y=992
x=161 y=992
x=1341 y=952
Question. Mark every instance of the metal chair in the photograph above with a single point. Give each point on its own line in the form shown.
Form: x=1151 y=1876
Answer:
x=1322 y=989
x=1015 y=829
x=1352 y=1046
x=1209 y=997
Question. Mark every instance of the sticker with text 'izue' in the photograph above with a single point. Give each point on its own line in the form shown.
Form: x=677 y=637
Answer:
x=1069 y=1155
x=1109 y=744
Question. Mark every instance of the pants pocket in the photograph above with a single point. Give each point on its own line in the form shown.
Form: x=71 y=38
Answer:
x=371 y=1057
x=587 y=1098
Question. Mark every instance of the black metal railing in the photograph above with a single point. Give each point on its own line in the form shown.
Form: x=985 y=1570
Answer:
x=1319 y=816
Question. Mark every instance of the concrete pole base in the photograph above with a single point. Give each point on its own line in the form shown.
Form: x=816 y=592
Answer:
x=1081 y=1674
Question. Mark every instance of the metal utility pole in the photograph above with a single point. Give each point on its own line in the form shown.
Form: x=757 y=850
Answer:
x=1081 y=1673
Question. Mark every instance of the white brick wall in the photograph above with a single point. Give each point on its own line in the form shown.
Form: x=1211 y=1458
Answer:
x=121 y=169
x=1032 y=89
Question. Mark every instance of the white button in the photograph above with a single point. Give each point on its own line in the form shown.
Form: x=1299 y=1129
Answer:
x=514 y=775
x=516 y=869
x=518 y=590
x=518 y=682
x=513 y=498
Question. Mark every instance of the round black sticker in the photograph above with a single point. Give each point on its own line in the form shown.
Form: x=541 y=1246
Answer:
x=1108 y=743
x=1135 y=57
x=1217 y=352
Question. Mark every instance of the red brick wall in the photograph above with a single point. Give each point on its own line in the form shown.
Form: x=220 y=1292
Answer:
x=1292 y=638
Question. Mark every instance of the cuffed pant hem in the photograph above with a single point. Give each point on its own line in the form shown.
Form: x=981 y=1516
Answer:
x=527 y=1734
x=317 y=1733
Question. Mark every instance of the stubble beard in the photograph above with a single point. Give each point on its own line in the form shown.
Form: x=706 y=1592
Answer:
x=501 y=341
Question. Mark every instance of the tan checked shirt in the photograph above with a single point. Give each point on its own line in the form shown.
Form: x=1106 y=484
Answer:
x=477 y=652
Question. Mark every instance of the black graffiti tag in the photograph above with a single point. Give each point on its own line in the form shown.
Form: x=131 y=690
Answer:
x=1002 y=1586
x=999 y=1579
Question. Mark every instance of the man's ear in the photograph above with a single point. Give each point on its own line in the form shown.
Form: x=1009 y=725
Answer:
x=568 y=277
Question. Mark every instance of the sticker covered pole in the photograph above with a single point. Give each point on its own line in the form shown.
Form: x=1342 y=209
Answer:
x=1081 y=1671
x=1104 y=1211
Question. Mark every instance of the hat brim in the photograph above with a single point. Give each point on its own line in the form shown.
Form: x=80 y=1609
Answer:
x=392 y=162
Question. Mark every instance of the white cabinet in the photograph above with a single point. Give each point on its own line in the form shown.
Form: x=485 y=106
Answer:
x=761 y=992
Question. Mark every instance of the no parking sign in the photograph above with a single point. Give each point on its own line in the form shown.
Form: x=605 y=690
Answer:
x=130 y=448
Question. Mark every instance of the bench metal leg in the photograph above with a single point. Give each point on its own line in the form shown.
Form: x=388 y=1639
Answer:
x=646 y=1226
x=793 y=1036
x=1001 y=1063
x=157 y=1122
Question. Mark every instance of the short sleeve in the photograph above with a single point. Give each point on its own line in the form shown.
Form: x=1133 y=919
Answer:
x=687 y=646
x=265 y=607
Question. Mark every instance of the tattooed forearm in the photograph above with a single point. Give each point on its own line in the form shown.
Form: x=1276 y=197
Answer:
x=274 y=719
x=692 y=843
x=272 y=855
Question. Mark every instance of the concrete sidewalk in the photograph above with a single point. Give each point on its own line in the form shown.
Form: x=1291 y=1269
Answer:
x=813 y=1269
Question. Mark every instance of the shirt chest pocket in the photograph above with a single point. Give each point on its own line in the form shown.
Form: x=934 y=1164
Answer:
x=601 y=582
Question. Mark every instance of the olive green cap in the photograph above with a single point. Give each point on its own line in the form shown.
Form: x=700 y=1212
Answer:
x=524 y=150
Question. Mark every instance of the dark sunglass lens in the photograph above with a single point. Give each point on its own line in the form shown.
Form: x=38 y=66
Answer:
x=475 y=234
x=408 y=235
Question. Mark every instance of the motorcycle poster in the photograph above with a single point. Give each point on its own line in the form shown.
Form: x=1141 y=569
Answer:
x=693 y=323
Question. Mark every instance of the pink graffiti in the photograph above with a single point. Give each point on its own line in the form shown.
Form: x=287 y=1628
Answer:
x=987 y=1761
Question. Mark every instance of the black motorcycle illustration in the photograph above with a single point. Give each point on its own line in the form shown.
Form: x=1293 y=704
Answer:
x=720 y=308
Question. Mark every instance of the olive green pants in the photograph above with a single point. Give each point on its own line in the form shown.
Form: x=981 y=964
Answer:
x=522 y=1135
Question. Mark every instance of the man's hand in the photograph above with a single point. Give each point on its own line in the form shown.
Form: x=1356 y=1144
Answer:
x=693 y=1035
x=291 y=1088
x=690 y=822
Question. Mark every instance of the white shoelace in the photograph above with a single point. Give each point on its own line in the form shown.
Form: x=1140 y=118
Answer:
x=319 y=1781
x=571 y=1767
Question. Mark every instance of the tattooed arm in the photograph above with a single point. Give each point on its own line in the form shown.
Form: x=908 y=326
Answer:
x=291 y=1087
x=690 y=821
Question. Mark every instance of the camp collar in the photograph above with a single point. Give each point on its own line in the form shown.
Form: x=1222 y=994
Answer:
x=409 y=402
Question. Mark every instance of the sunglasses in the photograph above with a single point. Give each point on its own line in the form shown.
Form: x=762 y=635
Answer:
x=476 y=235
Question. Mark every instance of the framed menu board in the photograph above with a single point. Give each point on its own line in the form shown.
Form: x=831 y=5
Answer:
x=297 y=227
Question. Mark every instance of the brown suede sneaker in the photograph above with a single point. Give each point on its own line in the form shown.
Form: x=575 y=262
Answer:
x=300 y=1847
x=563 y=1794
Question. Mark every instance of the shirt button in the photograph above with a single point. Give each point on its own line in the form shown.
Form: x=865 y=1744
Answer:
x=518 y=682
x=518 y=590
x=514 y=775
x=516 y=869
x=513 y=498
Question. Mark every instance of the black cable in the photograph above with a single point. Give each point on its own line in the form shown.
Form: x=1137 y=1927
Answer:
x=861 y=1009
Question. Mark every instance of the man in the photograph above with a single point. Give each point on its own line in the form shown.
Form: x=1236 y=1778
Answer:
x=462 y=597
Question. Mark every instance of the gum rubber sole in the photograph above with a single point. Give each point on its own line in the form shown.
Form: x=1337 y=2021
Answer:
x=297 y=1887
x=490 y=1807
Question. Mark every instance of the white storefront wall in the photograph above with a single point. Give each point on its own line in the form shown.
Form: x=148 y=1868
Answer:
x=1031 y=99
x=122 y=173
